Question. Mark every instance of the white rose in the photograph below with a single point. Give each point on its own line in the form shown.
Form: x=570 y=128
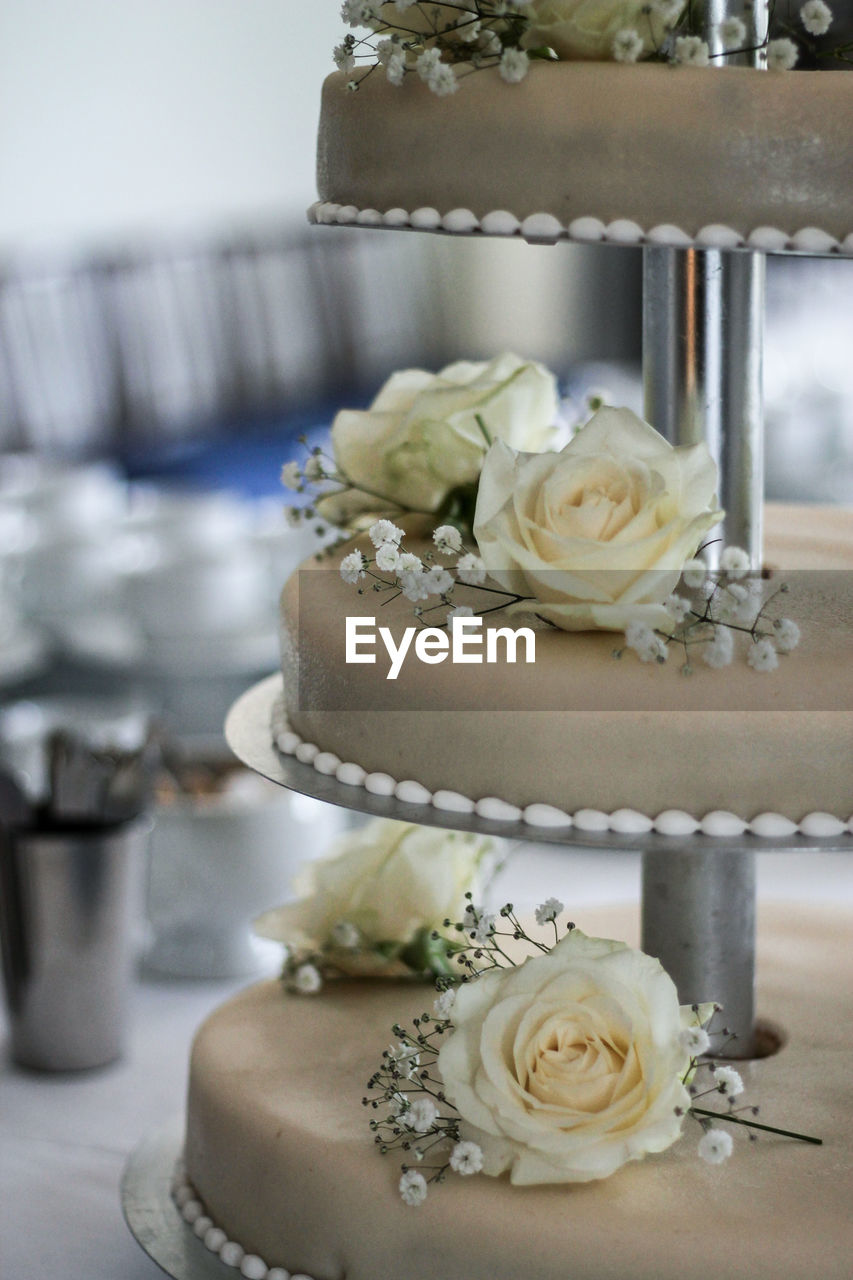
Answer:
x=600 y=532
x=587 y=28
x=389 y=881
x=570 y=1065
x=420 y=438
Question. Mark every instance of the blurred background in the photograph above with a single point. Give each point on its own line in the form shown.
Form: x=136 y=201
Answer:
x=169 y=325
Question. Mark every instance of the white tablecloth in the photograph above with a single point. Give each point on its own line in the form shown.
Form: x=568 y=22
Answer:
x=65 y=1138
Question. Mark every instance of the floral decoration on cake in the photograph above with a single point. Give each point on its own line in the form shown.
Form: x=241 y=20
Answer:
x=554 y=1059
x=374 y=906
x=440 y=41
x=606 y=533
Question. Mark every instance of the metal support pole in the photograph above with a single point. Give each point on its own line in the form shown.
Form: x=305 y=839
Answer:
x=703 y=315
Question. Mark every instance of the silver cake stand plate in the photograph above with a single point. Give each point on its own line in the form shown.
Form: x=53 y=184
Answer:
x=249 y=735
x=152 y=1215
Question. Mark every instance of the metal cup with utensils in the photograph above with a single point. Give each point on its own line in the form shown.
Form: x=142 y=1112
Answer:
x=70 y=898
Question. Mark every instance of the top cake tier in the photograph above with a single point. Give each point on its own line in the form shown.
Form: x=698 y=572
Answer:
x=652 y=154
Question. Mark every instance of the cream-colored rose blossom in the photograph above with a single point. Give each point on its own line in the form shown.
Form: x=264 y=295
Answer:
x=570 y=1065
x=420 y=438
x=388 y=880
x=598 y=534
x=588 y=28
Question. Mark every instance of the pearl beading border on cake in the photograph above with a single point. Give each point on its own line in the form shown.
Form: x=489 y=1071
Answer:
x=671 y=822
x=192 y=1210
x=544 y=228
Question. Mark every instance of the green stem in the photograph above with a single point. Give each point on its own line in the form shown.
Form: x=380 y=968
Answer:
x=753 y=1124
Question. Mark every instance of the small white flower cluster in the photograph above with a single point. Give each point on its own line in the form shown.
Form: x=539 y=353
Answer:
x=415 y=577
x=731 y=602
x=428 y=37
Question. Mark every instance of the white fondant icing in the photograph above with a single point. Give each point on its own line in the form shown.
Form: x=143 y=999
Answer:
x=214 y=1239
x=460 y=221
x=346 y=215
x=671 y=822
x=770 y=239
x=591 y=820
x=379 y=784
x=675 y=822
x=395 y=218
x=770 y=825
x=369 y=218
x=542 y=227
x=822 y=824
x=667 y=234
x=253 y=1268
x=191 y=1210
x=412 y=792
x=623 y=231
x=813 y=240
x=500 y=223
x=586 y=229
x=546 y=815
x=717 y=236
x=846 y=245
x=497 y=810
x=232 y=1253
x=721 y=823
x=352 y=775
x=452 y=802
x=327 y=213
x=630 y=822
x=426 y=219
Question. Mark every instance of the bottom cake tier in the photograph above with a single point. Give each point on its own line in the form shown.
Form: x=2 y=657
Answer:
x=279 y=1152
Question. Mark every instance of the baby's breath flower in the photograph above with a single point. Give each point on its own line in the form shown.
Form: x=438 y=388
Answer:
x=694 y=574
x=715 y=1145
x=691 y=51
x=343 y=58
x=466 y=1158
x=514 y=65
x=397 y=1102
x=648 y=646
x=816 y=17
x=735 y=561
x=406 y=1058
x=678 y=608
x=293 y=516
x=732 y=33
x=291 y=475
x=439 y=580
x=410 y=563
x=388 y=557
x=490 y=43
x=479 y=924
x=762 y=656
x=695 y=1040
x=403 y=5
x=627 y=45
x=413 y=1187
x=471 y=32
x=437 y=75
x=314 y=469
x=447 y=538
x=471 y=570
x=421 y=1115
x=395 y=69
x=787 y=634
x=728 y=1081
x=346 y=935
x=461 y=611
x=384 y=531
x=720 y=651
x=307 y=980
x=352 y=567
x=782 y=54
x=549 y=910
x=414 y=584
x=360 y=13
x=444 y=1002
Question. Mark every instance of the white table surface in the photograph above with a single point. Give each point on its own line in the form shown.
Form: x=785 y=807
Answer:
x=65 y=1138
